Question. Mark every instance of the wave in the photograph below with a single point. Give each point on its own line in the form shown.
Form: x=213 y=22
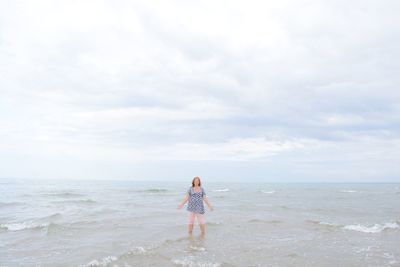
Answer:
x=48 y=227
x=329 y=224
x=265 y=221
x=135 y=251
x=18 y=226
x=195 y=248
x=326 y=225
x=76 y=201
x=149 y=190
x=139 y=251
x=121 y=260
x=316 y=222
x=348 y=191
x=191 y=261
x=62 y=194
x=171 y=242
x=221 y=190
x=46 y=223
x=108 y=260
x=155 y=190
x=103 y=262
x=376 y=228
x=268 y=192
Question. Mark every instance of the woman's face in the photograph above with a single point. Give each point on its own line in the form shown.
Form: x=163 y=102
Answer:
x=196 y=182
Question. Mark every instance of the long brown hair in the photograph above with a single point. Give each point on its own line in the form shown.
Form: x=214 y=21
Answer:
x=195 y=179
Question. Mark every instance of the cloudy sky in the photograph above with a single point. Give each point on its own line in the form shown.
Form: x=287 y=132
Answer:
x=292 y=91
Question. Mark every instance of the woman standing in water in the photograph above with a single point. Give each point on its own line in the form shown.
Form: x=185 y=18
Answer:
x=196 y=195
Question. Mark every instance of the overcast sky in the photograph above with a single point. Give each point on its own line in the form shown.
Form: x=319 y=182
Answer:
x=292 y=91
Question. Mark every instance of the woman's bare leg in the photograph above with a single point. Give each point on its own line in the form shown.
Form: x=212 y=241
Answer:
x=190 y=222
x=202 y=224
x=203 y=228
x=190 y=228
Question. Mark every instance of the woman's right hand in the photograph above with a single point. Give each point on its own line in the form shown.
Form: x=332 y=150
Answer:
x=180 y=206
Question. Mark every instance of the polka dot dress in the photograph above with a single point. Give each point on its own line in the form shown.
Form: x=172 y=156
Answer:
x=196 y=200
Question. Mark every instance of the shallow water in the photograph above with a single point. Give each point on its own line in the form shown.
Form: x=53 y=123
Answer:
x=127 y=223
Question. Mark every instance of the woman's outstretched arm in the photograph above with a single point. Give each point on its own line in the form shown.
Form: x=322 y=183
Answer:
x=184 y=201
x=208 y=203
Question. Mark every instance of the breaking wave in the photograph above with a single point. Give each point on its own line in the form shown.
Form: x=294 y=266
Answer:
x=111 y=259
x=376 y=228
x=268 y=192
x=190 y=261
x=221 y=190
x=22 y=226
x=103 y=262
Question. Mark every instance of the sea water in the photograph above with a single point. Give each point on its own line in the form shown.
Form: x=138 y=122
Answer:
x=132 y=223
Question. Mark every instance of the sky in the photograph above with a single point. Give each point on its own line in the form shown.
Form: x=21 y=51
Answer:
x=247 y=91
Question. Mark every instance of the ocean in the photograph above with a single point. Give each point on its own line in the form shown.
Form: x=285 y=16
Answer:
x=137 y=223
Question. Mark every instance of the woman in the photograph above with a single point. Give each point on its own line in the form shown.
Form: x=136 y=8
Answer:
x=196 y=195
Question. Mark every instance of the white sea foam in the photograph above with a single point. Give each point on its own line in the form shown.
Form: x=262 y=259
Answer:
x=268 y=192
x=137 y=251
x=22 y=225
x=197 y=248
x=328 y=224
x=191 y=262
x=325 y=224
x=376 y=228
x=348 y=191
x=98 y=263
x=221 y=190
